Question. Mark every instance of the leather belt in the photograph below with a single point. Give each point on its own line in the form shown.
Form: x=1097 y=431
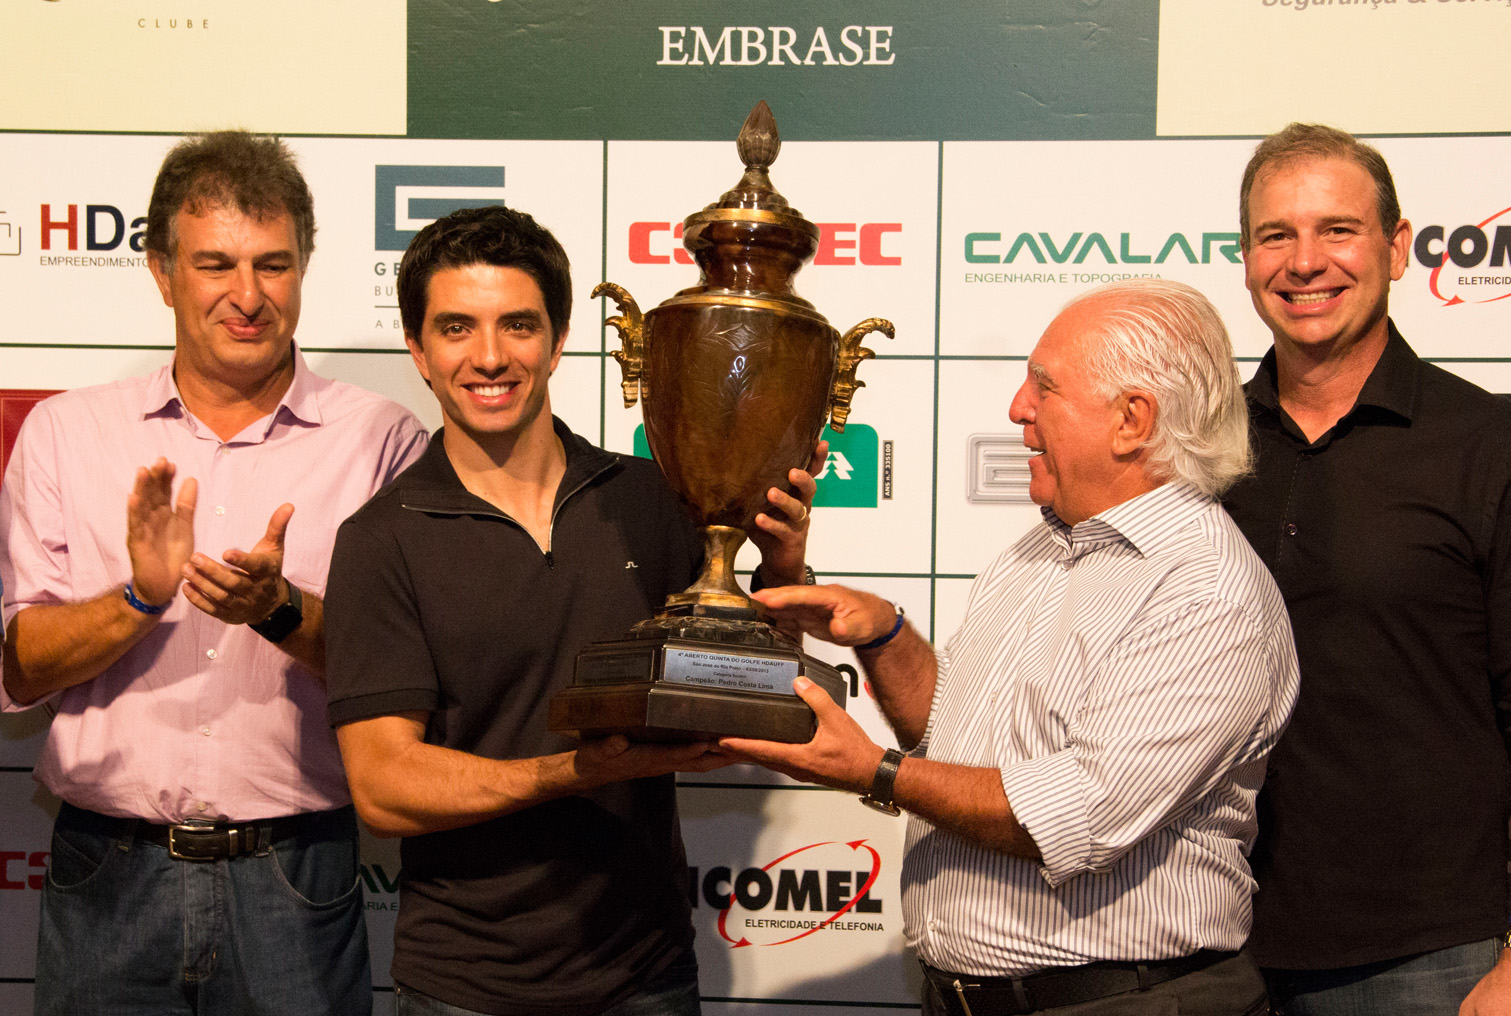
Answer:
x=194 y=841
x=969 y=995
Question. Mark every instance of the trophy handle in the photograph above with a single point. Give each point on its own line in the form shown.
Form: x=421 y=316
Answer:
x=630 y=324
x=851 y=353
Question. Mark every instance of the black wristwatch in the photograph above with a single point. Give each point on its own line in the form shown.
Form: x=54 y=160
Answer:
x=289 y=615
x=756 y=585
x=880 y=795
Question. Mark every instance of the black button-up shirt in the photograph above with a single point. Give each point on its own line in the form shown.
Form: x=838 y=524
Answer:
x=1383 y=821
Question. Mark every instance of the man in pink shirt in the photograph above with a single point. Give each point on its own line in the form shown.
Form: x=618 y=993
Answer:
x=205 y=854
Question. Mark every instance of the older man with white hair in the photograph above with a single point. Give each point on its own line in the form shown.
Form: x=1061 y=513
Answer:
x=1083 y=757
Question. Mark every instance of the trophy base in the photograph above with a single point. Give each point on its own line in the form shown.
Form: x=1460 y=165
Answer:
x=693 y=678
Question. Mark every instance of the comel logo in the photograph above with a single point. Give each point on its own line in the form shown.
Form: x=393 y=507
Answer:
x=824 y=887
x=409 y=198
x=849 y=476
x=1468 y=262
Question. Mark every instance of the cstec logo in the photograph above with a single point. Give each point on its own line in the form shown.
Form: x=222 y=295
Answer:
x=850 y=474
x=839 y=243
x=1454 y=255
x=785 y=900
x=409 y=198
x=21 y=869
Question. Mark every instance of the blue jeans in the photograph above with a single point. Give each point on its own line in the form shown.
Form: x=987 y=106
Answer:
x=1431 y=984
x=127 y=930
x=673 y=992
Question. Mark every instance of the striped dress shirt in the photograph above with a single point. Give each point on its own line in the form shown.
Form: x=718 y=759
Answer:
x=1127 y=676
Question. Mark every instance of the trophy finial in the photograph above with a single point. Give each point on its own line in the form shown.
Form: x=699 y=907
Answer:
x=759 y=142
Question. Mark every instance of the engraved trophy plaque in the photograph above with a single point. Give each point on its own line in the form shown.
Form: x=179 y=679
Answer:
x=735 y=377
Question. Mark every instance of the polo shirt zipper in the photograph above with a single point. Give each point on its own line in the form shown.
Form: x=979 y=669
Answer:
x=492 y=512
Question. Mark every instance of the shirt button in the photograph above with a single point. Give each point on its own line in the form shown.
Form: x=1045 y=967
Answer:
x=1290 y=529
x=220 y=509
x=205 y=731
x=211 y=653
x=201 y=806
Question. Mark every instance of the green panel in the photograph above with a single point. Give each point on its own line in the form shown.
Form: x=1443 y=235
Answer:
x=973 y=70
x=851 y=478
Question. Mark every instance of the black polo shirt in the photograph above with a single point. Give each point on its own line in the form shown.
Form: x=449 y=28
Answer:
x=439 y=602
x=1383 y=819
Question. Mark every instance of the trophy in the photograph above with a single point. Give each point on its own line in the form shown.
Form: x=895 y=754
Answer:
x=735 y=376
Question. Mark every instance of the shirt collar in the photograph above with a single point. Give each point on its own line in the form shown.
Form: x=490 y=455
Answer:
x=1392 y=385
x=1148 y=523
x=432 y=484
x=301 y=402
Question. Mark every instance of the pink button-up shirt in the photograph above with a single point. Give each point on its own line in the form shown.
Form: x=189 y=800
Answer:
x=199 y=720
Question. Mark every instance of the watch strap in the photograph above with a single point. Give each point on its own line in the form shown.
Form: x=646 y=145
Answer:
x=810 y=578
x=877 y=643
x=140 y=605
x=882 y=784
x=284 y=619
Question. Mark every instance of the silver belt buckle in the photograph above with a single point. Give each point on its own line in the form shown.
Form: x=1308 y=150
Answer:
x=173 y=845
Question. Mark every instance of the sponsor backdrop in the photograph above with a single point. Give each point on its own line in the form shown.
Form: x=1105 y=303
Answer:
x=970 y=168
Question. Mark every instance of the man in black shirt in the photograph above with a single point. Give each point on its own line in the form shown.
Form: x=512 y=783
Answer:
x=1381 y=502
x=538 y=876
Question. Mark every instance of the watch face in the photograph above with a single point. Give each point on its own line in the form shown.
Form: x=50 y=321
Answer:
x=281 y=624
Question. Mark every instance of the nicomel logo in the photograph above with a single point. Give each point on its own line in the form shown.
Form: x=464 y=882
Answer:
x=1467 y=247
x=784 y=900
x=409 y=198
x=839 y=243
x=20 y=869
x=751 y=46
x=848 y=478
x=1075 y=248
x=102 y=228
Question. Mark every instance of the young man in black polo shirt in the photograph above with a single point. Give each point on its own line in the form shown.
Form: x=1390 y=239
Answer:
x=538 y=876
x=1381 y=502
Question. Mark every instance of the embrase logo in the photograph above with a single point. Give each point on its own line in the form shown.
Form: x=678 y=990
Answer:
x=1468 y=262
x=776 y=46
x=409 y=198
x=783 y=901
